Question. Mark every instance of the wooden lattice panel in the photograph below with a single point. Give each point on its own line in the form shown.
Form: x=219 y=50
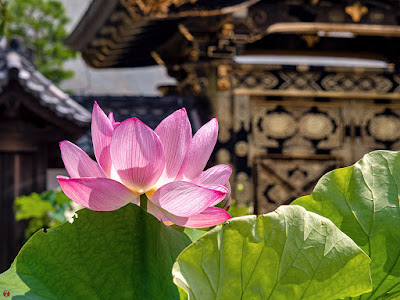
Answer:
x=303 y=127
x=281 y=180
x=380 y=127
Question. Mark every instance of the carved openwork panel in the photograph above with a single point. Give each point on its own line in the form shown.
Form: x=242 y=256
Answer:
x=348 y=82
x=379 y=127
x=323 y=81
x=305 y=81
x=297 y=127
x=256 y=79
x=292 y=125
x=241 y=113
x=280 y=180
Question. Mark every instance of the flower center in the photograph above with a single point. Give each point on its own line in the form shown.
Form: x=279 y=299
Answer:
x=151 y=192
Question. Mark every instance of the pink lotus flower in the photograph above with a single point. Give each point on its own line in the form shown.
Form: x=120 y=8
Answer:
x=165 y=164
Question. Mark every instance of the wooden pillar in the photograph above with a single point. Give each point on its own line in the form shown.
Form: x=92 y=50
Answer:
x=21 y=173
x=7 y=248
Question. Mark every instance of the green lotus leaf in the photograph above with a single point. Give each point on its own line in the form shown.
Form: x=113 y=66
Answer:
x=286 y=254
x=363 y=201
x=124 y=254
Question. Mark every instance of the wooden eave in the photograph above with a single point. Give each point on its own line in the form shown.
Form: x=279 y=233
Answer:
x=110 y=30
x=95 y=17
x=103 y=14
x=126 y=34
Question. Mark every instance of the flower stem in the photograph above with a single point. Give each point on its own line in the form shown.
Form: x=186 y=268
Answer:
x=143 y=201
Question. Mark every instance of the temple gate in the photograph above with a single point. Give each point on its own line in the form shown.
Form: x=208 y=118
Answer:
x=284 y=123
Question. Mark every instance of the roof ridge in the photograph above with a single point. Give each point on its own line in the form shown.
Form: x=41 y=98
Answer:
x=16 y=66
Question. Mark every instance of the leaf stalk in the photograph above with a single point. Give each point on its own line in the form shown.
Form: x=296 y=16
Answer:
x=143 y=202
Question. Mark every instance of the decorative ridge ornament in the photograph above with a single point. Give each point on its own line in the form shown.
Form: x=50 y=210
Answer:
x=356 y=11
x=162 y=170
x=157 y=6
x=310 y=39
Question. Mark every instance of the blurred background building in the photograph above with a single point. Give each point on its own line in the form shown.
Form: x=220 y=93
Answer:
x=300 y=87
x=35 y=116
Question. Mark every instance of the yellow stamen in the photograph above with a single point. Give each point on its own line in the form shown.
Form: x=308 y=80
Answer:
x=151 y=192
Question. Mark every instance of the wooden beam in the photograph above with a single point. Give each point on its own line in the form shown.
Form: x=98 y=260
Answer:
x=325 y=28
x=326 y=94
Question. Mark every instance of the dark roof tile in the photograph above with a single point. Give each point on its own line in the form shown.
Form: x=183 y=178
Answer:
x=14 y=65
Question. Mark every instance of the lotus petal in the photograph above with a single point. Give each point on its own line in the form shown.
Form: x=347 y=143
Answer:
x=199 y=151
x=100 y=194
x=78 y=163
x=111 y=117
x=137 y=155
x=159 y=213
x=175 y=134
x=211 y=216
x=217 y=175
x=186 y=199
x=102 y=131
x=112 y=120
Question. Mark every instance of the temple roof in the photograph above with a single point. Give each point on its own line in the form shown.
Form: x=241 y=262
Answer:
x=135 y=33
x=16 y=65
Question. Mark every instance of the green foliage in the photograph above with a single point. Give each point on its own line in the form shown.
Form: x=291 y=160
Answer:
x=124 y=254
x=346 y=244
x=46 y=210
x=363 y=201
x=287 y=254
x=192 y=233
x=41 y=23
x=3 y=16
x=237 y=210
